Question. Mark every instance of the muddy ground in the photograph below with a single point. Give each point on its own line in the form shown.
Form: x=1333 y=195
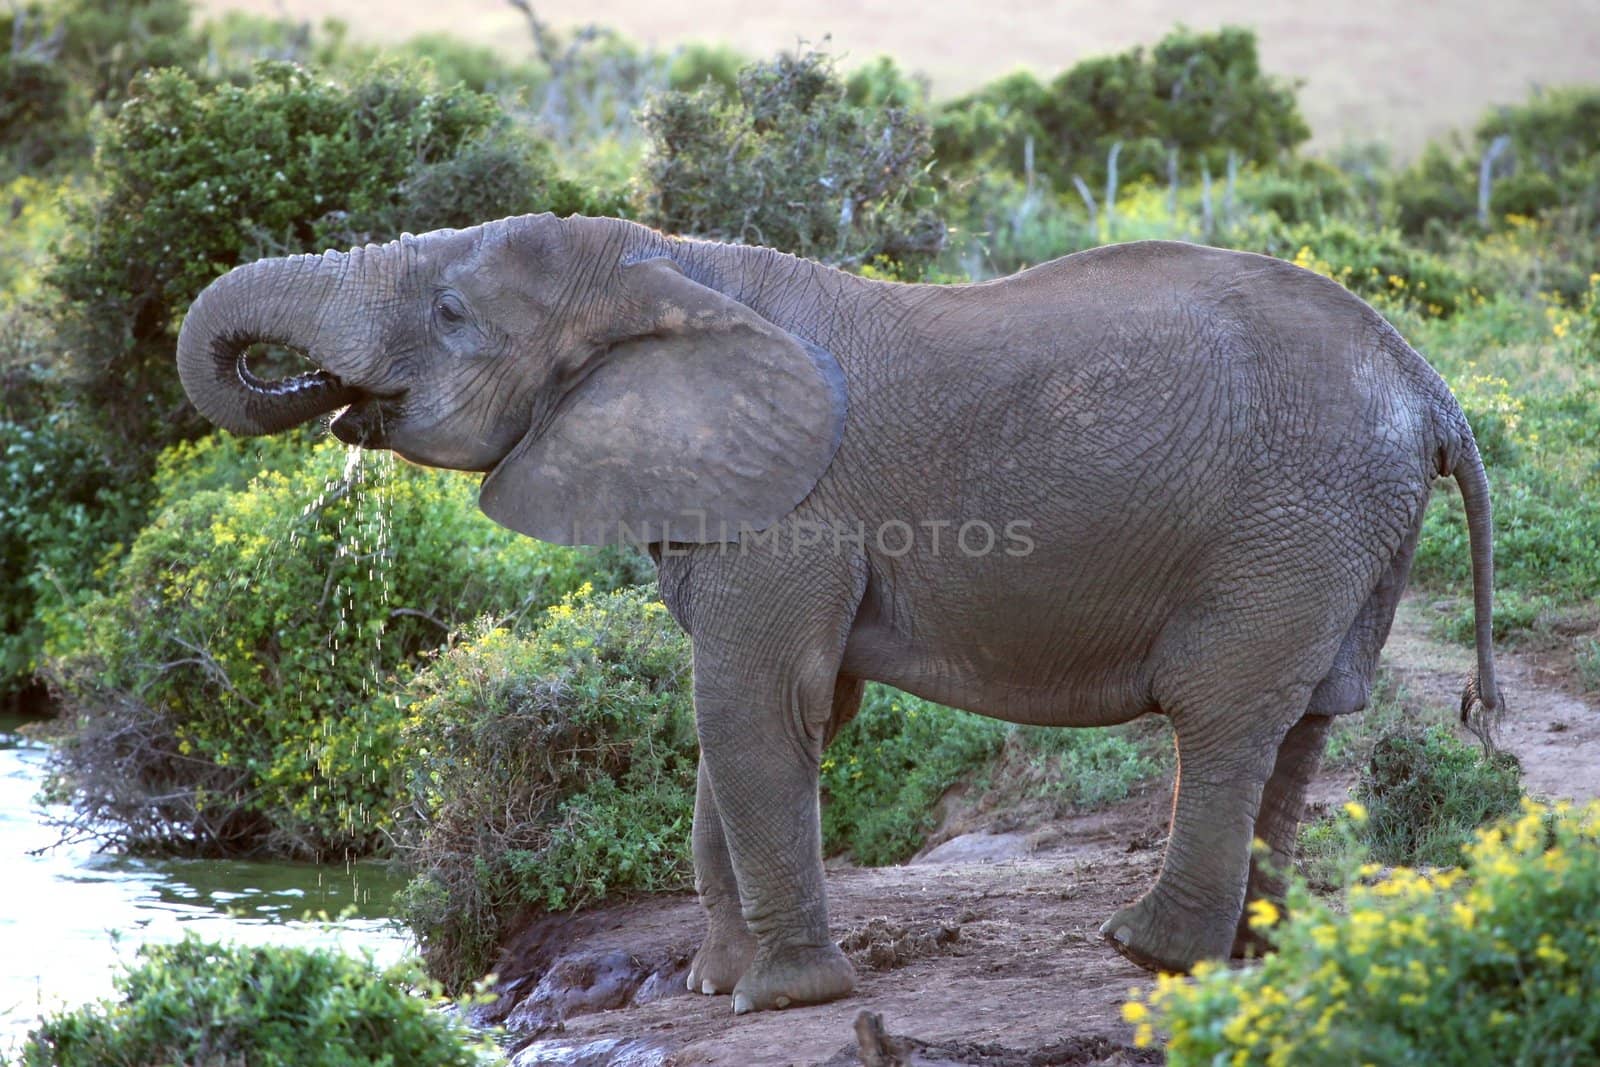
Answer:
x=983 y=950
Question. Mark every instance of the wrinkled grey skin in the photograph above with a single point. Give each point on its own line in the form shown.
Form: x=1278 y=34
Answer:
x=1204 y=471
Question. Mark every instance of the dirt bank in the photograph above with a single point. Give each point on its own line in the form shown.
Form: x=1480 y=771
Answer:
x=985 y=951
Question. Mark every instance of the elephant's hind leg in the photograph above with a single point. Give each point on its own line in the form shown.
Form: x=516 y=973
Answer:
x=1278 y=824
x=1192 y=911
x=1343 y=691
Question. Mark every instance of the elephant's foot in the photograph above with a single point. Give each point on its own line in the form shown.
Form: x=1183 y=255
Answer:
x=1160 y=938
x=723 y=958
x=794 y=975
x=1248 y=944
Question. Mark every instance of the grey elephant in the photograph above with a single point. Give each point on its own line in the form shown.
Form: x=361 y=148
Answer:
x=1152 y=477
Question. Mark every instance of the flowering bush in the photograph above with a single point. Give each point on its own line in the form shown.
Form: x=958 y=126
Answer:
x=548 y=772
x=235 y=689
x=1496 y=961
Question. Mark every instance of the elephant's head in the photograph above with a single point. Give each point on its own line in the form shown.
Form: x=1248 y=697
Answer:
x=611 y=395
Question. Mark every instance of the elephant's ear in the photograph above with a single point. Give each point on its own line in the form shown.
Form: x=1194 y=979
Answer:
x=701 y=420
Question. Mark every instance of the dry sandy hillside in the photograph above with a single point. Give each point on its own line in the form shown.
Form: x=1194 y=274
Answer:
x=1397 y=72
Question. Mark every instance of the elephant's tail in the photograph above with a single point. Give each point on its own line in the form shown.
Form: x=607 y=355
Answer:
x=1463 y=462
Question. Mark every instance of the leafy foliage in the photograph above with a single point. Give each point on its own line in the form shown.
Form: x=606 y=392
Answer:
x=549 y=771
x=885 y=774
x=203 y=1002
x=1425 y=793
x=1550 y=163
x=789 y=162
x=63 y=510
x=1202 y=95
x=1491 y=962
x=36 y=121
x=242 y=667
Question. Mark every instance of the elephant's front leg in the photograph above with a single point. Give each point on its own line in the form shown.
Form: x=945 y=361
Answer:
x=728 y=948
x=763 y=712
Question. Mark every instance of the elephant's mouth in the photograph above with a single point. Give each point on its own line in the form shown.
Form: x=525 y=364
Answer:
x=363 y=423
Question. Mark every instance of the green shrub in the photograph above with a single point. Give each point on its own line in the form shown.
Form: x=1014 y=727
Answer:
x=64 y=513
x=1202 y=95
x=1553 y=164
x=548 y=771
x=196 y=181
x=1376 y=264
x=885 y=774
x=881 y=83
x=36 y=120
x=1493 y=963
x=1555 y=141
x=1302 y=191
x=1425 y=793
x=478 y=67
x=200 y=1002
x=1086 y=768
x=234 y=689
x=695 y=64
x=788 y=162
x=106 y=46
x=1438 y=190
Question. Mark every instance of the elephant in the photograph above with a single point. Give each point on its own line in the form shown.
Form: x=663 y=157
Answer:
x=1148 y=477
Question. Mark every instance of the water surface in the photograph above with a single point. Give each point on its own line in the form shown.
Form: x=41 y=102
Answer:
x=69 y=916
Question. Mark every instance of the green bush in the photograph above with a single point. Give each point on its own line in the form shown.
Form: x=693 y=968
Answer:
x=884 y=775
x=106 y=46
x=1425 y=793
x=695 y=64
x=199 y=1002
x=196 y=181
x=1376 y=264
x=788 y=162
x=1553 y=164
x=1496 y=962
x=63 y=514
x=1555 y=139
x=1304 y=191
x=1438 y=190
x=234 y=691
x=1202 y=95
x=36 y=120
x=548 y=771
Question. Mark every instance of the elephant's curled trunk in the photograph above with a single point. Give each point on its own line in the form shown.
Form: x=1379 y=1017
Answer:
x=278 y=301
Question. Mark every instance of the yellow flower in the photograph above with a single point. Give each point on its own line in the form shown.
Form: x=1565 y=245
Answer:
x=1134 y=1011
x=1263 y=913
x=1356 y=810
x=1143 y=1036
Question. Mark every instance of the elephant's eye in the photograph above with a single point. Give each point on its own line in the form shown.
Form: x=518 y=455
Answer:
x=450 y=312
